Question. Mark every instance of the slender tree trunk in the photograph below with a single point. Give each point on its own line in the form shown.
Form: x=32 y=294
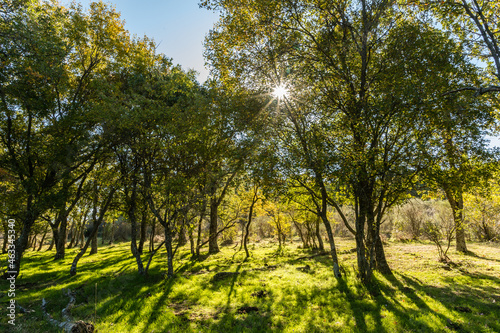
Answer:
x=93 y=239
x=105 y=232
x=213 y=247
x=299 y=230
x=51 y=246
x=132 y=206
x=82 y=234
x=43 y=238
x=361 y=207
x=93 y=233
x=200 y=224
x=5 y=236
x=459 y=224
x=191 y=242
x=318 y=236
x=72 y=232
x=152 y=236
x=33 y=241
x=21 y=243
x=144 y=226
x=112 y=235
x=247 y=227
x=170 y=254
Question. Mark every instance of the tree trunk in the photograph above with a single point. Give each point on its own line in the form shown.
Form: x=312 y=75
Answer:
x=95 y=227
x=72 y=232
x=200 y=223
x=299 y=230
x=33 y=242
x=363 y=266
x=247 y=227
x=182 y=239
x=93 y=248
x=51 y=246
x=191 y=242
x=43 y=239
x=112 y=235
x=144 y=226
x=152 y=237
x=457 y=205
x=5 y=237
x=459 y=224
x=213 y=247
x=61 y=234
x=132 y=205
x=21 y=243
x=170 y=254
x=318 y=236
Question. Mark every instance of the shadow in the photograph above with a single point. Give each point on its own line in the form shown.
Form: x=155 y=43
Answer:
x=474 y=255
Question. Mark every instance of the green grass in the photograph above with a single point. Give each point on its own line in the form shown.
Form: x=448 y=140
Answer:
x=422 y=296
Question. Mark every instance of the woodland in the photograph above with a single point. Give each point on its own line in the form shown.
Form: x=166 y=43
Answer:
x=333 y=173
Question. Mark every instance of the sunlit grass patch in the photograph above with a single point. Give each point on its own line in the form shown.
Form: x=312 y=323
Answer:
x=270 y=292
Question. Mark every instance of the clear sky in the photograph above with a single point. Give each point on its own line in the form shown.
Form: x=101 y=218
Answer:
x=178 y=26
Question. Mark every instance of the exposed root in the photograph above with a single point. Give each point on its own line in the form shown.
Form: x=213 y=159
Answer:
x=68 y=325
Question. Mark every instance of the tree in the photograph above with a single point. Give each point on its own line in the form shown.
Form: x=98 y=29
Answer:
x=52 y=60
x=360 y=95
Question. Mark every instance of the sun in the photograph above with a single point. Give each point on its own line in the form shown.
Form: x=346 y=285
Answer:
x=280 y=92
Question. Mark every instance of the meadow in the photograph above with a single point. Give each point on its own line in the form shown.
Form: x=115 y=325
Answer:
x=292 y=290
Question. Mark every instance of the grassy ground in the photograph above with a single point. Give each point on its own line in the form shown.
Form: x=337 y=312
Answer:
x=270 y=293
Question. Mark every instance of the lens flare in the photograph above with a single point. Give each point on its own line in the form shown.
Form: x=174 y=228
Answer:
x=280 y=92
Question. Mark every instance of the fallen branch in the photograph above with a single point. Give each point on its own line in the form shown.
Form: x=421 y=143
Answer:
x=68 y=325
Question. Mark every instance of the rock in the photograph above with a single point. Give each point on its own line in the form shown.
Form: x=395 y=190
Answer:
x=82 y=327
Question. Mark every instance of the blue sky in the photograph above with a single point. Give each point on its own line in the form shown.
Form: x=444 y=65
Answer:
x=178 y=26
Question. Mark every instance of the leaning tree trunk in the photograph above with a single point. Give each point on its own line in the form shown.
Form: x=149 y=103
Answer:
x=43 y=239
x=51 y=246
x=93 y=233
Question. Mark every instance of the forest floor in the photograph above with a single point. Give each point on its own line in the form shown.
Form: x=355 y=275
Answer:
x=271 y=292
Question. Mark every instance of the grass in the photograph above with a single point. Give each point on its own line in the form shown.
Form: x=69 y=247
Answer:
x=423 y=295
